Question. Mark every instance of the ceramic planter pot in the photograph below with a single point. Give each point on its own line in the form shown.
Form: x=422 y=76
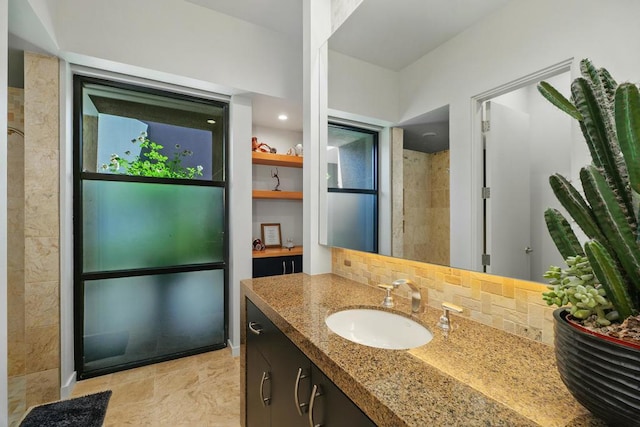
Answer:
x=603 y=374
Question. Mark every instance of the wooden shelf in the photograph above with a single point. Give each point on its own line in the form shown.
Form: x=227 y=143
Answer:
x=269 y=194
x=275 y=252
x=284 y=160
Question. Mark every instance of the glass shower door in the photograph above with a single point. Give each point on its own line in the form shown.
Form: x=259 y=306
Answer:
x=149 y=227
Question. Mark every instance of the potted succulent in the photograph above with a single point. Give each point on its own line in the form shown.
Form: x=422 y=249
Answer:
x=601 y=283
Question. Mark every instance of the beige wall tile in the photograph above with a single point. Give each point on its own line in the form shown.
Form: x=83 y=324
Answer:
x=42 y=346
x=33 y=220
x=16 y=356
x=42 y=259
x=41 y=214
x=41 y=101
x=43 y=387
x=17 y=399
x=42 y=303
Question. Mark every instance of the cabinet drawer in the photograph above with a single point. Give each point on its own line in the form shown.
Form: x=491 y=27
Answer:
x=277 y=265
x=261 y=332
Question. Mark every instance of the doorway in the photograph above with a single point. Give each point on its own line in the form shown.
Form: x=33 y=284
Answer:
x=524 y=141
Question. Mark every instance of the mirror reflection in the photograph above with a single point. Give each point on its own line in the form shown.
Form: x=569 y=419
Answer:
x=424 y=187
x=352 y=188
x=432 y=206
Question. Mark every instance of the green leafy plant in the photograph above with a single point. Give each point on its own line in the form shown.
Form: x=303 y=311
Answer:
x=152 y=162
x=578 y=287
x=609 y=117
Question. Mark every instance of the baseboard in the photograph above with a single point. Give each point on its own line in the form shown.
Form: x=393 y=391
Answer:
x=68 y=385
x=235 y=350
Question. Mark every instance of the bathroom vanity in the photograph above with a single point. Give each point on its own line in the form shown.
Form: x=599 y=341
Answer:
x=284 y=388
x=475 y=375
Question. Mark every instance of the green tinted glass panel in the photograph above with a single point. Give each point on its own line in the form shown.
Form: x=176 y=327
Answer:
x=352 y=221
x=128 y=225
x=136 y=318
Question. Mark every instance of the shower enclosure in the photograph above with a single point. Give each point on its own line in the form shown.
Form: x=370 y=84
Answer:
x=149 y=226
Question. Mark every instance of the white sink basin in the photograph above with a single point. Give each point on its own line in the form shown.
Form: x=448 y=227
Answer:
x=377 y=328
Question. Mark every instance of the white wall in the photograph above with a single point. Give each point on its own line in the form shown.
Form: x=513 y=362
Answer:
x=281 y=139
x=359 y=87
x=174 y=41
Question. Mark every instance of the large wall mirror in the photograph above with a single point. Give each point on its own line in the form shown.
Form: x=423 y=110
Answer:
x=428 y=74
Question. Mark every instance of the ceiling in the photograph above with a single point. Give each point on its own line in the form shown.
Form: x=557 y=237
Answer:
x=283 y=16
x=428 y=133
x=377 y=31
x=394 y=34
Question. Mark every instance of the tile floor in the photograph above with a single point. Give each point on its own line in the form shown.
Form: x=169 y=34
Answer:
x=196 y=391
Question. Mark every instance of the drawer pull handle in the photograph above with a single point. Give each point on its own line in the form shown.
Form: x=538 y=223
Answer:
x=317 y=391
x=293 y=267
x=300 y=407
x=284 y=268
x=255 y=328
x=266 y=401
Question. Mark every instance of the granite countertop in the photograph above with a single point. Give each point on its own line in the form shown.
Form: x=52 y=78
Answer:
x=477 y=375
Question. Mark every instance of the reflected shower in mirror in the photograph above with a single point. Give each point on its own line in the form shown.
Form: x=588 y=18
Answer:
x=421 y=233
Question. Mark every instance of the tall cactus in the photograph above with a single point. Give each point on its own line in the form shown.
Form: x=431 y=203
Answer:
x=609 y=117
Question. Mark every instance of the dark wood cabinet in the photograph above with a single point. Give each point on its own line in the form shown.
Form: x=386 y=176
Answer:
x=273 y=266
x=331 y=407
x=280 y=380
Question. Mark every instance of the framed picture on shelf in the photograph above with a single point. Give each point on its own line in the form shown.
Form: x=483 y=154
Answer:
x=271 y=235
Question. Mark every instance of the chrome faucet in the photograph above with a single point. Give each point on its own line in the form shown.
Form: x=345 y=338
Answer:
x=416 y=296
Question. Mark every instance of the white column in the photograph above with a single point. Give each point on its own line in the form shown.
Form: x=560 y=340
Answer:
x=67 y=363
x=239 y=187
x=317 y=29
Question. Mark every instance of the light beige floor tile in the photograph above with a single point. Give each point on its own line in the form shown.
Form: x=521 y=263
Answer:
x=196 y=391
x=133 y=391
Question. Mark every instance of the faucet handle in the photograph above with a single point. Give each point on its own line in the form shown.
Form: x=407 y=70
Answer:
x=398 y=282
x=447 y=306
x=445 y=322
x=388 y=300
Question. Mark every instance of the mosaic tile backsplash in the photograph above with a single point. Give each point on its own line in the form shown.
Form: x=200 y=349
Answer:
x=512 y=305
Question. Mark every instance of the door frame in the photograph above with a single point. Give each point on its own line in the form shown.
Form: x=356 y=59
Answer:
x=477 y=238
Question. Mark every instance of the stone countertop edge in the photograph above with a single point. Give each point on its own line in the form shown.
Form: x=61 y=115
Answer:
x=477 y=375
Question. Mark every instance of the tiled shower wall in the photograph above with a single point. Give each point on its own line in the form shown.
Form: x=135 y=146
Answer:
x=34 y=316
x=512 y=305
x=426 y=206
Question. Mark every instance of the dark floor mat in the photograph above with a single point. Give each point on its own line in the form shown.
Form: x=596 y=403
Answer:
x=86 y=411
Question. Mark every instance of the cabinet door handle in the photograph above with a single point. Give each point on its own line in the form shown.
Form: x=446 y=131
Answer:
x=317 y=391
x=255 y=328
x=266 y=401
x=300 y=407
x=293 y=267
x=284 y=268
